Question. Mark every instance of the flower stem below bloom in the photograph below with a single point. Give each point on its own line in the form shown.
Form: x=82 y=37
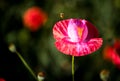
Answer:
x=72 y=68
x=26 y=65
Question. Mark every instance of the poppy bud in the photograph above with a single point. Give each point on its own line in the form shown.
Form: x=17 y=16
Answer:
x=34 y=18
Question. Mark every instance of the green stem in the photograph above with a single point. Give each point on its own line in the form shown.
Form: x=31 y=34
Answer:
x=26 y=65
x=72 y=68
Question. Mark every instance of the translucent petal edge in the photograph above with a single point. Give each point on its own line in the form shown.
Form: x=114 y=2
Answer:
x=92 y=31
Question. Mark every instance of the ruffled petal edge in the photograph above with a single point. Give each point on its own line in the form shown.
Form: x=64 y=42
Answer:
x=78 y=49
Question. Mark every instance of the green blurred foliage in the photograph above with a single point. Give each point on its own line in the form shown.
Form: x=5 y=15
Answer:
x=38 y=49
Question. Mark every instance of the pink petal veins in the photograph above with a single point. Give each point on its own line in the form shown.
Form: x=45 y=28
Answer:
x=60 y=29
x=76 y=37
x=78 y=49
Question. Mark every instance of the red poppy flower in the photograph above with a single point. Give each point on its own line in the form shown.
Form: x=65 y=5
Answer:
x=76 y=37
x=112 y=53
x=33 y=18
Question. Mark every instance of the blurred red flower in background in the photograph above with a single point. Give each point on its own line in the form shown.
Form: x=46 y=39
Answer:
x=112 y=53
x=33 y=18
x=2 y=79
x=76 y=37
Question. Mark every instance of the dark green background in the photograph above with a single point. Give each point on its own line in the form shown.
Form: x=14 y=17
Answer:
x=38 y=49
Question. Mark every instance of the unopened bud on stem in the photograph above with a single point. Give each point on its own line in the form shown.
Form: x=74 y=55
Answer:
x=104 y=74
x=41 y=76
x=12 y=48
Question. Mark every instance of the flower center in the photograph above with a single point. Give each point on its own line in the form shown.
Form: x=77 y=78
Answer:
x=80 y=31
x=77 y=30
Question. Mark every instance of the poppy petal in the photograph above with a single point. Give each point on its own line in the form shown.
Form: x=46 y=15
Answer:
x=78 y=49
x=34 y=17
x=92 y=31
x=60 y=29
x=111 y=54
x=72 y=31
x=107 y=53
x=76 y=37
x=77 y=30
